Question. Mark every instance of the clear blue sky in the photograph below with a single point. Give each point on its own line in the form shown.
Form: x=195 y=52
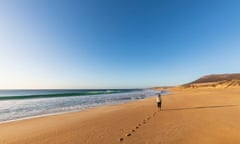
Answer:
x=116 y=43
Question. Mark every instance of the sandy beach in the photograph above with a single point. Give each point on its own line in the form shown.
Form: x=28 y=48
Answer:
x=91 y=71
x=207 y=115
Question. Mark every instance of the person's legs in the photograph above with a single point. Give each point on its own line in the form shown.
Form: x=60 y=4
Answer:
x=160 y=105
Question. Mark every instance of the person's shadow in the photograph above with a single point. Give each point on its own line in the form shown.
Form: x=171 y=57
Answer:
x=200 y=107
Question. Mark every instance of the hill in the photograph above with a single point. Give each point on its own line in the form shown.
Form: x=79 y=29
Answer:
x=215 y=81
x=217 y=78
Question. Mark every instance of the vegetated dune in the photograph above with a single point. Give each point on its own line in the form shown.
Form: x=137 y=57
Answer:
x=215 y=81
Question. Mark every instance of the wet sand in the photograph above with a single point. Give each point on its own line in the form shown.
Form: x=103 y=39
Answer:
x=188 y=116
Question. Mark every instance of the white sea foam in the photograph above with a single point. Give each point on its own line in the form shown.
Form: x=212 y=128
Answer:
x=24 y=108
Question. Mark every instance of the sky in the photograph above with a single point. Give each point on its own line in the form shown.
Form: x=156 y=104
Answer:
x=79 y=44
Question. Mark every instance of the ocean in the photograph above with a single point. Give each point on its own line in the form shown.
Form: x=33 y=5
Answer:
x=21 y=104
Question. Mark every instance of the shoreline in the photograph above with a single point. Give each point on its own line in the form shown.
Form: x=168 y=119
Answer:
x=13 y=110
x=75 y=111
x=86 y=120
x=188 y=116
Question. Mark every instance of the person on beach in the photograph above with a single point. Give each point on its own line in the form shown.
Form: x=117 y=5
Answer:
x=159 y=102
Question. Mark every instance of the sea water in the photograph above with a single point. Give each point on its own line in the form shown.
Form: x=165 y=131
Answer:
x=19 y=104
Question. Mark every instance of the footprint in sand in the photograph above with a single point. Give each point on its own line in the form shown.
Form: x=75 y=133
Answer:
x=121 y=139
x=144 y=121
x=128 y=134
x=137 y=127
x=154 y=114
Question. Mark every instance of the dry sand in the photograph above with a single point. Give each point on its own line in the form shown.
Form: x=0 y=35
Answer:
x=191 y=116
